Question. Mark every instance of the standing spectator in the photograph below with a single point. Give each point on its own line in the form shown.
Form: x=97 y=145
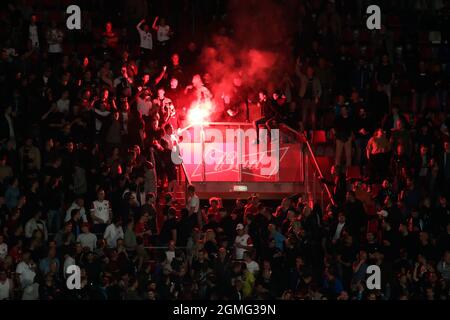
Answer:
x=87 y=239
x=267 y=113
x=242 y=243
x=343 y=131
x=101 y=212
x=385 y=75
x=252 y=265
x=169 y=230
x=34 y=33
x=110 y=39
x=310 y=93
x=377 y=152
x=6 y=286
x=36 y=223
x=55 y=38
x=26 y=270
x=163 y=36
x=78 y=204
x=113 y=232
x=146 y=39
x=193 y=201
x=363 y=132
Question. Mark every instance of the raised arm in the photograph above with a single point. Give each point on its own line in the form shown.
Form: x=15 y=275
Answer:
x=154 y=26
x=161 y=75
x=138 y=26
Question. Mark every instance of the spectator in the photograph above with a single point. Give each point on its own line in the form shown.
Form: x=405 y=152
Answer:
x=163 y=36
x=113 y=233
x=252 y=266
x=343 y=131
x=36 y=223
x=78 y=204
x=310 y=94
x=55 y=39
x=86 y=238
x=6 y=286
x=105 y=119
x=146 y=39
x=101 y=212
x=169 y=229
x=242 y=242
x=378 y=149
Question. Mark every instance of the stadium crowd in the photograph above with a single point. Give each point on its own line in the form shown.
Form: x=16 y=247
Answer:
x=87 y=125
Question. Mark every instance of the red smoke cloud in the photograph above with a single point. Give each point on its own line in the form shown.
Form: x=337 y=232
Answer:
x=258 y=49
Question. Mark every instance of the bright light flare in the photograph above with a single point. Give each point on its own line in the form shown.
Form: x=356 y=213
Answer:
x=199 y=113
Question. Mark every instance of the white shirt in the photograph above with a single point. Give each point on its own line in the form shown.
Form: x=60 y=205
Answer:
x=163 y=33
x=170 y=255
x=87 y=240
x=75 y=206
x=112 y=234
x=55 y=38
x=31 y=292
x=101 y=210
x=339 y=228
x=146 y=39
x=5 y=288
x=26 y=274
x=252 y=266
x=63 y=105
x=194 y=202
x=33 y=36
x=144 y=106
x=244 y=240
x=33 y=225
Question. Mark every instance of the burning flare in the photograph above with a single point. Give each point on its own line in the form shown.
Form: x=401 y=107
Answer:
x=199 y=113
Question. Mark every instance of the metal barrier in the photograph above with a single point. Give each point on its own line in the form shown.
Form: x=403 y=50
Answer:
x=303 y=139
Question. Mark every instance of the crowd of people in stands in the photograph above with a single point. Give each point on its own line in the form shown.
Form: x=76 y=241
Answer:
x=87 y=126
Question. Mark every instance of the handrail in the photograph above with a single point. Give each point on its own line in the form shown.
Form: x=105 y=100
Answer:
x=303 y=138
x=188 y=181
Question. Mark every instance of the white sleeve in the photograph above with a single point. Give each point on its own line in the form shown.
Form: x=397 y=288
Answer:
x=67 y=218
x=83 y=215
x=19 y=268
x=107 y=232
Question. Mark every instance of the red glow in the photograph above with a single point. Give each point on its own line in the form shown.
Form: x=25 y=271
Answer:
x=199 y=113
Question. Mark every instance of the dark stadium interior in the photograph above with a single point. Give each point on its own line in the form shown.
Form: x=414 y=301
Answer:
x=90 y=118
